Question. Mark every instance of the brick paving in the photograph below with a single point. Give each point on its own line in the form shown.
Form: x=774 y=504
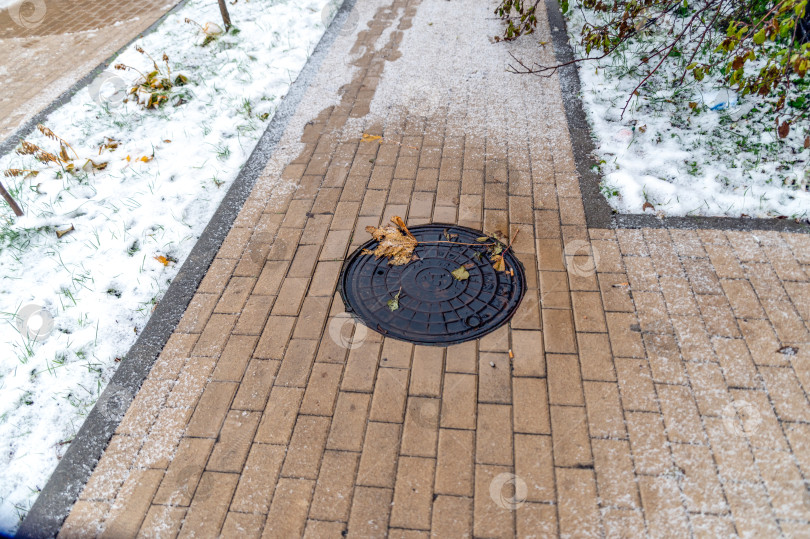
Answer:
x=651 y=391
x=48 y=45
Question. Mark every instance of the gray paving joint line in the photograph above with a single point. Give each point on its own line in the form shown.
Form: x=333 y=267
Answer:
x=65 y=484
x=598 y=213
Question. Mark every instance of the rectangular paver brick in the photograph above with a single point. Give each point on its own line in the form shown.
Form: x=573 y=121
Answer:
x=648 y=443
x=349 y=423
x=297 y=363
x=454 y=469
x=421 y=428
x=255 y=385
x=491 y=519
x=452 y=517
x=569 y=433
x=534 y=465
x=184 y=472
x=578 y=507
x=494 y=435
x=233 y=444
x=305 y=449
x=210 y=504
x=426 y=372
x=459 y=401
x=371 y=508
x=333 y=491
x=288 y=512
x=564 y=380
x=321 y=391
x=614 y=473
x=132 y=503
x=663 y=510
x=211 y=410
x=494 y=378
x=258 y=479
x=700 y=485
x=279 y=416
x=605 y=418
x=378 y=462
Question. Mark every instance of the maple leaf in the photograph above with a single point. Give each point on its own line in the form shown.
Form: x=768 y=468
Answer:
x=396 y=243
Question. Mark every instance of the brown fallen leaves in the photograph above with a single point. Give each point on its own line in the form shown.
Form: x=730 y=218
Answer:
x=396 y=242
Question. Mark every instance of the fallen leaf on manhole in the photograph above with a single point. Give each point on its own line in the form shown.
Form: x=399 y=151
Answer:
x=396 y=242
x=60 y=233
x=448 y=236
x=788 y=350
x=482 y=239
x=461 y=274
x=393 y=303
x=498 y=263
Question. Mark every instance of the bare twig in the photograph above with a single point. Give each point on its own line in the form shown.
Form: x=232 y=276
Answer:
x=226 y=17
x=11 y=202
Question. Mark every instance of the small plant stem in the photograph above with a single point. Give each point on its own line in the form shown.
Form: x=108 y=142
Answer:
x=226 y=17
x=459 y=243
x=11 y=202
x=510 y=242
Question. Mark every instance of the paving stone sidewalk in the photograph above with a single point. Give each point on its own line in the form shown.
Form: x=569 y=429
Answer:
x=659 y=380
x=48 y=45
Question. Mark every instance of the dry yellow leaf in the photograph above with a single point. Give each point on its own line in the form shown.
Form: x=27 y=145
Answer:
x=371 y=138
x=498 y=263
x=162 y=259
x=395 y=242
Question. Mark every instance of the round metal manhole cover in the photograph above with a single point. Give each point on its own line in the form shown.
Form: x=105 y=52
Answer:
x=434 y=307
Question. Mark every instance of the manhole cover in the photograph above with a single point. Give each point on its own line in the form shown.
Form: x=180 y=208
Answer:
x=434 y=307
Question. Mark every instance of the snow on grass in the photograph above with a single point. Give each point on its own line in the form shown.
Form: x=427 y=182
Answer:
x=722 y=158
x=90 y=292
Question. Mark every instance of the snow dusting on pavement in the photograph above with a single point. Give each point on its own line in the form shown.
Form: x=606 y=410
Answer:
x=72 y=306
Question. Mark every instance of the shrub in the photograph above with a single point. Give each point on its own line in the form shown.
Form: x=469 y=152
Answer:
x=761 y=47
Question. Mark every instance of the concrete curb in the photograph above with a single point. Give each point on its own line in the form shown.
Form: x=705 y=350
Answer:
x=60 y=493
x=598 y=213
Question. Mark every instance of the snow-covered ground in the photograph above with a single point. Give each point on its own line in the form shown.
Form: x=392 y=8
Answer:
x=722 y=158
x=71 y=306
